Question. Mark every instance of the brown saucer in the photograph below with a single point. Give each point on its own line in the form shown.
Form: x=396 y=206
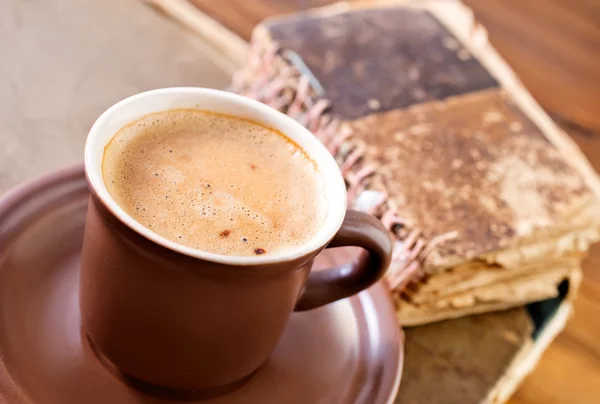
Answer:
x=346 y=352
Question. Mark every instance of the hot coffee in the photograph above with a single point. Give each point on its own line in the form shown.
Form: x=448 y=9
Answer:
x=173 y=316
x=215 y=182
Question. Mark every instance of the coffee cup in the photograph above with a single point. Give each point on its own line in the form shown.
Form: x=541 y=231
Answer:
x=181 y=318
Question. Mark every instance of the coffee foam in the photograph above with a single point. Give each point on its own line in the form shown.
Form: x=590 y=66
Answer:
x=215 y=183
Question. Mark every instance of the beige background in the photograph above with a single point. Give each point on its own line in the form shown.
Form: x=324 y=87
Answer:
x=63 y=62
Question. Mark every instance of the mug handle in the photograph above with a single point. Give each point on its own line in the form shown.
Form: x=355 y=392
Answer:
x=358 y=229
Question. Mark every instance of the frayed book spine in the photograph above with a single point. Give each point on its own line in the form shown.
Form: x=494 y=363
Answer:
x=280 y=79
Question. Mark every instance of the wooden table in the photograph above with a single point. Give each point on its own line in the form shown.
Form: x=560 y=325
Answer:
x=553 y=45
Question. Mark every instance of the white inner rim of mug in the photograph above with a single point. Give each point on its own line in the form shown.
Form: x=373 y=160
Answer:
x=132 y=108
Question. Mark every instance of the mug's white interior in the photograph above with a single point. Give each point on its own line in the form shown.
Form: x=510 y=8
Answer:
x=142 y=104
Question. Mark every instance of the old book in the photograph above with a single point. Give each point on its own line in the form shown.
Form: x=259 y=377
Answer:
x=479 y=359
x=492 y=206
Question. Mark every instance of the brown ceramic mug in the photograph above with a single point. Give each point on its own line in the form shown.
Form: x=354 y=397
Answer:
x=181 y=318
